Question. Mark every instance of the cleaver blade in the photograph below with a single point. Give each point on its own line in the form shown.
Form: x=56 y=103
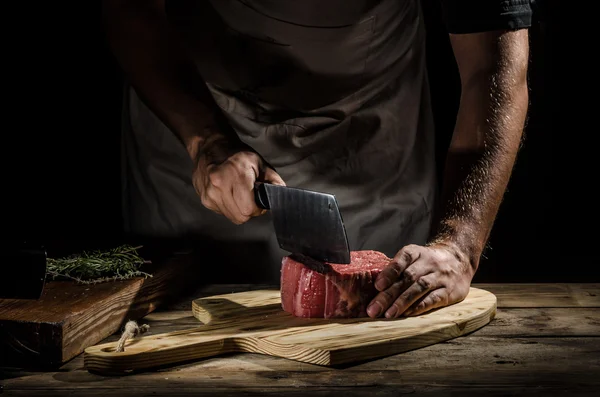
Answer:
x=305 y=222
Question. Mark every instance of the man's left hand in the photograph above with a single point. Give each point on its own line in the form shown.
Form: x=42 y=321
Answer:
x=421 y=278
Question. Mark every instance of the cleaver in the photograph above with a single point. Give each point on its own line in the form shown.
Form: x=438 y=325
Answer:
x=306 y=222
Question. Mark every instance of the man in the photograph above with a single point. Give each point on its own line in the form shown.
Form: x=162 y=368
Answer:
x=330 y=96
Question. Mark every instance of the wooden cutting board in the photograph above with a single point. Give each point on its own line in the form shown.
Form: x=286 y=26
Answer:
x=254 y=322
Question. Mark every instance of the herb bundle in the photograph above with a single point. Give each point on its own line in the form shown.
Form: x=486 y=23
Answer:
x=120 y=263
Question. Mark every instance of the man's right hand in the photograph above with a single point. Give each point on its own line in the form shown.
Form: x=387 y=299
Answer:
x=225 y=183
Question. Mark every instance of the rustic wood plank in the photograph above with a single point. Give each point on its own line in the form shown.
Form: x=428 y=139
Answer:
x=528 y=322
x=469 y=365
x=545 y=294
x=472 y=351
x=253 y=322
x=70 y=317
x=553 y=322
x=587 y=295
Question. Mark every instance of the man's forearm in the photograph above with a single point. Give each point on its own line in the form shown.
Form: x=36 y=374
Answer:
x=155 y=64
x=487 y=136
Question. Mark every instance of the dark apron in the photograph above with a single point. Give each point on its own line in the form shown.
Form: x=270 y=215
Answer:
x=333 y=94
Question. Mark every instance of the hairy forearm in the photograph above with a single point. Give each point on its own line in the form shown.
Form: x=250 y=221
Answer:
x=483 y=150
x=155 y=64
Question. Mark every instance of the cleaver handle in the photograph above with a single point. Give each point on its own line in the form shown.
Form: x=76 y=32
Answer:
x=27 y=262
x=260 y=196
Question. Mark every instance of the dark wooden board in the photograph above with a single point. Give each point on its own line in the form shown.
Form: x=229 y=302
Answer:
x=70 y=317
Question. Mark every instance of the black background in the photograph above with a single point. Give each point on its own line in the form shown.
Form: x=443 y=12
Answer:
x=61 y=149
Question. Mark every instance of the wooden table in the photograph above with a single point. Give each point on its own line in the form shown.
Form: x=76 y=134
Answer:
x=545 y=340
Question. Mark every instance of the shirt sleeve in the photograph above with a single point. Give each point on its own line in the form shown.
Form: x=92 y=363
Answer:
x=473 y=16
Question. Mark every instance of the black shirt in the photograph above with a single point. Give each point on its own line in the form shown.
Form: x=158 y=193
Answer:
x=472 y=16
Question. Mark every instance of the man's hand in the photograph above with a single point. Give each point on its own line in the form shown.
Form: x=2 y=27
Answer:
x=224 y=180
x=420 y=279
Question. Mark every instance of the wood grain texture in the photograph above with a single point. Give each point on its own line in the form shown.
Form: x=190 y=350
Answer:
x=70 y=317
x=253 y=322
x=545 y=294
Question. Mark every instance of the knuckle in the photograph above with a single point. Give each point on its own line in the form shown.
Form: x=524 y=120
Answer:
x=246 y=213
x=408 y=254
x=248 y=175
x=241 y=219
x=216 y=179
x=241 y=159
x=445 y=270
x=235 y=162
x=430 y=301
x=425 y=283
x=443 y=299
x=252 y=156
x=247 y=208
x=412 y=250
x=409 y=275
x=393 y=270
x=438 y=299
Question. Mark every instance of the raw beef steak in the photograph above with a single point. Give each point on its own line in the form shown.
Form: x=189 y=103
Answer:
x=314 y=289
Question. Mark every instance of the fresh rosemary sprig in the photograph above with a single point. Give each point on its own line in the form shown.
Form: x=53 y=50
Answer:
x=120 y=263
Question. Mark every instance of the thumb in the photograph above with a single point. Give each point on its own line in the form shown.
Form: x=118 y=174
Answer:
x=273 y=177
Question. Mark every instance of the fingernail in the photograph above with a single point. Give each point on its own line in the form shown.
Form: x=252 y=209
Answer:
x=391 y=312
x=382 y=283
x=374 y=309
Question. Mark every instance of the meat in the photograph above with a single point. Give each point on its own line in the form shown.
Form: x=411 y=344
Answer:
x=327 y=290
